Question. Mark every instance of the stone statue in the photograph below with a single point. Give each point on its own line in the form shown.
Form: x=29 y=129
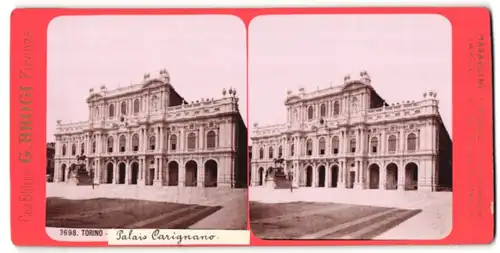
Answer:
x=154 y=103
x=354 y=104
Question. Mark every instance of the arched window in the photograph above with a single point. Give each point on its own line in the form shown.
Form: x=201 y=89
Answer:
x=123 y=108
x=309 y=147
x=412 y=142
x=135 y=143
x=261 y=153
x=271 y=151
x=93 y=147
x=110 y=144
x=211 y=139
x=322 y=146
x=63 y=149
x=336 y=108
x=173 y=142
x=310 y=112
x=122 y=143
x=280 y=151
x=137 y=106
x=322 y=110
x=335 y=145
x=73 y=149
x=191 y=141
x=111 y=110
x=374 y=144
x=292 y=150
x=352 y=145
x=392 y=143
x=82 y=148
x=152 y=142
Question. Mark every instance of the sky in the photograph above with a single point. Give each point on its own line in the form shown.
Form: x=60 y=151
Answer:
x=405 y=56
x=203 y=55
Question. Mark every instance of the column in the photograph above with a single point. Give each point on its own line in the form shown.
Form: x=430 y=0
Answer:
x=87 y=165
x=296 y=147
x=200 y=174
x=156 y=174
x=383 y=141
x=382 y=177
x=341 y=174
x=340 y=181
x=87 y=144
x=433 y=137
x=182 y=140
x=341 y=143
x=346 y=142
x=115 y=172
x=357 y=183
x=182 y=174
x=423 y=138
x=157 y=138
x=57 y=167
x=128 y=146
x=285 y=148
x=401 y=141
x=253 y=171
x=401 y=176
x=143 y=169
x=97 y=172
x=116 y=140
x=144 y=135
x=127 y=172
x=328 y=177
x=315 y=176
x=202 y=137
x=98 y=144
x=162 y=139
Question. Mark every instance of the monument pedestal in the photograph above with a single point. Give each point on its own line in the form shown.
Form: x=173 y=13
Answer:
x=270 y=183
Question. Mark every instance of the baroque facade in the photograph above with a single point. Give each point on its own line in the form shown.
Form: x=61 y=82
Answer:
x=347 y=136
x=147 y=134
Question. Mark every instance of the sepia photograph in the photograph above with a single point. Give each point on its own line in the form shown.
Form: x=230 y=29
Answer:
x=350 y=127
x=146 y=122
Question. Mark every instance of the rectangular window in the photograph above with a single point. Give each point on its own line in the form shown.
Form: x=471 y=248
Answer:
x=173 y=147
x=335 y=150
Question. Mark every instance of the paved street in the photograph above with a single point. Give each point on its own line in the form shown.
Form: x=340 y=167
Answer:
x=315 y=213
x=309 y=220
x=115 y=206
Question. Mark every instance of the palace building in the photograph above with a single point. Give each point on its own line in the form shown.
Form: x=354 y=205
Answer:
x=347 y=136
x=147 y=134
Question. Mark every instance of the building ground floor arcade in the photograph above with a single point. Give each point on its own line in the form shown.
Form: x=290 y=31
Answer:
x=179 y=171
x=383 y=174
